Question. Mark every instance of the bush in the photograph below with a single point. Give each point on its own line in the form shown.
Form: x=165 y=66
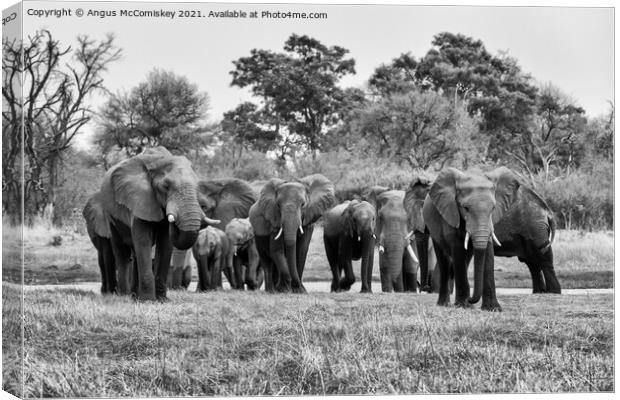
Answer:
x=583 y=199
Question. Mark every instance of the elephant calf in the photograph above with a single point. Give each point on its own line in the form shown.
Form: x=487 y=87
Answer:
x=245 y=261
x=348 y=234
x=212 y=253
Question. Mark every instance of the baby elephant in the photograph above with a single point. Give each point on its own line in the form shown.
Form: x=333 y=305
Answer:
x=244 y=256
x=348 y=234
x=212 y=253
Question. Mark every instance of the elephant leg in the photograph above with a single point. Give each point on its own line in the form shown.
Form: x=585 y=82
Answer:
x=187 y=276
x=331 y=250
x=260 y=277
x=461 y=259
x=122 y=261
x=538 y=282
x=102 y=269
x=489 y=299
x=410 y=273
x=262 y=248
x=387 y=284
x=163 y=254
x=444 y=265
x=253 y=268
x=142 y=239
x=238 y=272
x=203 y=273
x=553 y=285
x=344 y=263
x=303 y=244
x=276 y=250
x=178 y=262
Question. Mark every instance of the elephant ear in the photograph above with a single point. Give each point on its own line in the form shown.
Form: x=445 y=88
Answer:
x=347 y=220
x=97 y=222
x=370 y=195
x=226 y=199
x=414 y=201
x=249 y=231
x=267 y=205
x=506 y=189
x=321 y=197
x=132 y=187
x=443 y=196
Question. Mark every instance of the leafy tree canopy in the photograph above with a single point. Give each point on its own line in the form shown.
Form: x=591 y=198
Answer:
x=298 y=87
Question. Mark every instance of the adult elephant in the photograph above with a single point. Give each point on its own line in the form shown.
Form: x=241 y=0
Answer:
x=349 y=234
x=283 y=221
x=151 y=200
x=211 y=251
x=397 y=261
x=525 y=231
x=460 y=208
x=223 y=200
x=98 y=228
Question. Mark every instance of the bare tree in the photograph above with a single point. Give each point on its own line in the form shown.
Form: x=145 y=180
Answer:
x=53 y=108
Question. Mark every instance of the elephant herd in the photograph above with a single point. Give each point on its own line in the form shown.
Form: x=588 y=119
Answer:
x=153 y=209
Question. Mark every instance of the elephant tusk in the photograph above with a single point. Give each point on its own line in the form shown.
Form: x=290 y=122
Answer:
x=466 y=239
x=359 y=238
x=279 y=234
x=374 y=236
x=301 y=230
x=495 y=239
x=381 y=249
x=211 y=221
x=171 y=218
x=409 y=235
x=412 y=254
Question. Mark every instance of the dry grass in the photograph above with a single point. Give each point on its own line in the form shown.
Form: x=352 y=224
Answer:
x=81 y=344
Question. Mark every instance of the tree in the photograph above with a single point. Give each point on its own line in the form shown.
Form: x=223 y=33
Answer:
x=555 y=135
x=419 y=129
x=166 y=110
x=298 y=88
x=54 y=108
x=241 y=130
x=492 y=87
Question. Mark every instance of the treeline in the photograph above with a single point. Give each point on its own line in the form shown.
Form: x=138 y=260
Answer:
x=456 y=105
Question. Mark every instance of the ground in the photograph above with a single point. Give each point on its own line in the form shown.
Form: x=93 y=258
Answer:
x=78 y=343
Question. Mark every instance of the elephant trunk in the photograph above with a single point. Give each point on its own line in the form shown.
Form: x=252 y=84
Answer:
x=480 y=242
x=185 y=217
x=395 y=247
x=291 y=221
x=180 y=239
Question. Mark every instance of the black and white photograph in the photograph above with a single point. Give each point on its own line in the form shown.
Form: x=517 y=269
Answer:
x=307 y=199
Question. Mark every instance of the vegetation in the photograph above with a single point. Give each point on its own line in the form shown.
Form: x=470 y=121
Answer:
x=81 y=344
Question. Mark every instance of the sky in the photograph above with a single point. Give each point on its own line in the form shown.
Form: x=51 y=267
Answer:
x=573 y=48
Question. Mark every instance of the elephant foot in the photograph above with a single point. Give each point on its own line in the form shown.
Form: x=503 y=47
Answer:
x=444 y=302
x=460 y=303
x=491 y=306
x=301 y=289
x=426 y=288
x=365 y=290
x=163 y=299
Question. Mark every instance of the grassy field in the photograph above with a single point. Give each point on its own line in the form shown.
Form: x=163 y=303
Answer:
x=82 y=344
x=582 y=259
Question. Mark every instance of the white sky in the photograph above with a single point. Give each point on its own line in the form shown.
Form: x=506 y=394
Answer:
x=570 y=47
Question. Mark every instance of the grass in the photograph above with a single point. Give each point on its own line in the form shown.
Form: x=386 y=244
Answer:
x=582 y=259
x=82 y=344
